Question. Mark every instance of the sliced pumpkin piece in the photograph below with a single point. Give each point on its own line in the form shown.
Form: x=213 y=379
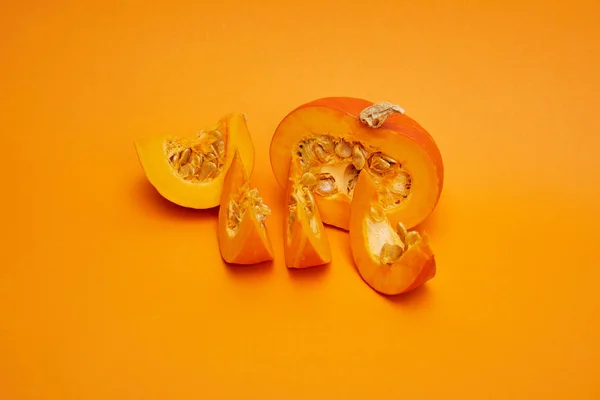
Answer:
x=189 y=170
x=336 y=138
x=242 y=231
x=389 y=258
x=305 y=240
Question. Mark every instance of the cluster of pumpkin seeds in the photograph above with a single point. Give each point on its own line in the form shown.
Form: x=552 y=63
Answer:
x=249 y=200
x=199 y=159
x=321 y=151
x=303 y=197
x=391 y=252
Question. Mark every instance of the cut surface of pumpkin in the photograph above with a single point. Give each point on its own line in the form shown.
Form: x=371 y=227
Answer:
x=190 y=170
x=336 y=138
x=389 y=258
x=242 y=232
x=305 y=240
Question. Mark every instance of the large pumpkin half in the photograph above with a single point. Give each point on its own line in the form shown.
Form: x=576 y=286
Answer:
x=338 y=137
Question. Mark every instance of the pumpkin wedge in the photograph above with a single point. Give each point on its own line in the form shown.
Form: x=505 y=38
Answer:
x=242 y=231
x=390 y=259
x=305 y=240
x=189 y=170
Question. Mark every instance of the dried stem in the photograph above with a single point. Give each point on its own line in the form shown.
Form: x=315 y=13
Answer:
x=375 y=115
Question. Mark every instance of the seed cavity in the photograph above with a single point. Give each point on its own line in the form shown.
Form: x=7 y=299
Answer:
x=344 y=160
x=262 y=212
x=235 y=216
x=249 y=201
x=197 y=159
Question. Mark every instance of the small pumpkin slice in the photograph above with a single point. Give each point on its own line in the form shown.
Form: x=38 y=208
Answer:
x=391 y=260
x=305 y=240
x=189 y=170
x=242 y=232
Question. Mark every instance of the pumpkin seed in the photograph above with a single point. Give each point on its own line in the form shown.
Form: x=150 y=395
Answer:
x=358 y=158
x=217 y=135
x=321 y=154
x=185 y=156
x=390 y=253
x=187 y=171
x=175 y=160
x=308 y=179
x=309 y=201
x=401 y=229
x=326 y=143
x=207 y=171
x=411 y=238
x=234 y=211
x=377 y=213
x=378 y=164
x=307 y=154
x=197 y=160
x=343 y=149
x=326 y=185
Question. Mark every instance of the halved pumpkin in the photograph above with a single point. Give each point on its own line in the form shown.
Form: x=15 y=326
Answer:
x=336 y=138
x=189 y=170
x=305 y=240
x=389 y=258
x=242 y=233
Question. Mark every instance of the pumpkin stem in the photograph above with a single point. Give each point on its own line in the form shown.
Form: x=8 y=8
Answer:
x=375 y=115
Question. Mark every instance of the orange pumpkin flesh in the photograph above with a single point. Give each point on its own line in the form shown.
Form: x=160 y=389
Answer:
x=189 y=170
x=242 y=232
x=390 y=261
x=305 y=240
x=400 y=155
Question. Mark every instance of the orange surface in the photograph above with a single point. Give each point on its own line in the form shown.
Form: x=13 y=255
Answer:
x=109 y=292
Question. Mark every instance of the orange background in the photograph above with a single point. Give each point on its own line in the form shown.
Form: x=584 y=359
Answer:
x=107 y=291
